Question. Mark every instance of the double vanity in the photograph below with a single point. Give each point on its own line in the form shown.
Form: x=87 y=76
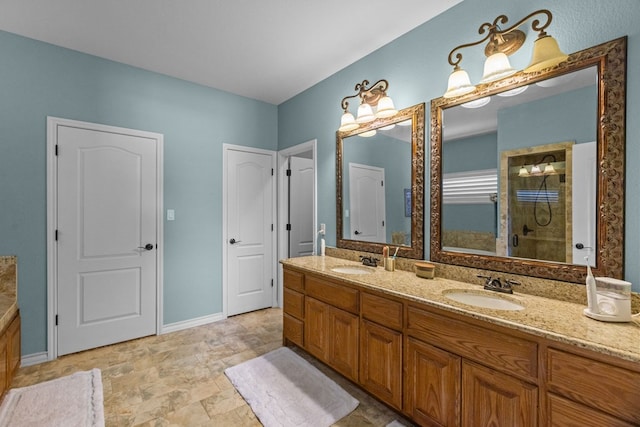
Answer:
x=526 y=187
x=443 y=359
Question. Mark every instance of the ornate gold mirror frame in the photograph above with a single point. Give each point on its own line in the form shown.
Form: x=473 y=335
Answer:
x=610 y=59
x=416 y=249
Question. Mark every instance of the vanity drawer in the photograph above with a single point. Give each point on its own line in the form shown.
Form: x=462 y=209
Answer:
x=611 y=389
x=293 y=329
x=332 y=293
x=293 y=303
x=563 y=412
x=382 y=311
x=293 y=280
x=500 y=351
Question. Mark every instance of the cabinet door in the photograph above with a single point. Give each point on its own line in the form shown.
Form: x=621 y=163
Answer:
x=490 y=398
x=344 y=343
x=432 y=385
x=316 y=328
x=381 y=362
x=292 y=330
x=4 y=364
x=13 y=348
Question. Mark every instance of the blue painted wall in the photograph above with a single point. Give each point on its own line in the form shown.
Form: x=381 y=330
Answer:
x=417 y=69
x=39 y=80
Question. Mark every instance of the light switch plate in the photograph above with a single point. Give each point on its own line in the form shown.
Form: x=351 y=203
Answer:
x=171 y=215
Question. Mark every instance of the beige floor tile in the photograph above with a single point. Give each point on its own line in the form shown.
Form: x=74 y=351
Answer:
x=178 y=379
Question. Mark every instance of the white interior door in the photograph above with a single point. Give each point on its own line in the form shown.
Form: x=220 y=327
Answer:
x=107 y=208
x=301 y=206
x=585 y=176
x=367 y=203
x=249 y=205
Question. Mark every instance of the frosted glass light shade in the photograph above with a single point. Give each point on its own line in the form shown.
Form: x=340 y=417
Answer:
x=477 y=103
x=523 y=171
x=459 y=84
x=386 y=108
x=546 y=54
x=347 y=122
x=497 y=67
x=549 y=169
x=365 y=113
x=368 y=133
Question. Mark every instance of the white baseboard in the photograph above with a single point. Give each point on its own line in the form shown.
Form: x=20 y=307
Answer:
x=186 y=324
x=34 y=359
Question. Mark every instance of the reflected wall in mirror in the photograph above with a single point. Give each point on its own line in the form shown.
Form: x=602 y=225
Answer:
x=380 y=184
x=525 y=180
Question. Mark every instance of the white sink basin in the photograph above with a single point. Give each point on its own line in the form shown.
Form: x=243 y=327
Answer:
x=483 y=299
x=351 y=270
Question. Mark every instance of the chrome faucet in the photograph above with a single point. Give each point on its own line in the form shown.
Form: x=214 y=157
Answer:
x=494 y=284
x=369 y=261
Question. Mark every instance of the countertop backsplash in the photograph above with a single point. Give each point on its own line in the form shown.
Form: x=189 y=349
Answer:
x=563 y=291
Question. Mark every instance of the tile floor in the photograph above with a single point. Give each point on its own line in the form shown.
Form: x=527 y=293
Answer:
x=178 y=379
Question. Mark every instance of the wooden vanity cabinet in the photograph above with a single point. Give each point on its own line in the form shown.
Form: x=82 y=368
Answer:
x=450 y=376
x=449 y=370
x=293 y=308
x=586 y=391
x=331 y=325
x=491 y=398
x=9 y=354
x=381 y=348
x=432 y=384
x=331 y=335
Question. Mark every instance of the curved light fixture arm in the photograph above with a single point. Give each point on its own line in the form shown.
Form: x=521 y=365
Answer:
x=494 y=31
x=370 y=95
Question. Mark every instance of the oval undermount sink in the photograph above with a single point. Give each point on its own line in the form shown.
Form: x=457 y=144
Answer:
x=351 y=270
x=483 y=299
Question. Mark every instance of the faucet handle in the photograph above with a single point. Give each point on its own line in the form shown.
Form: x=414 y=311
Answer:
x=512 y=282
x=487 y=278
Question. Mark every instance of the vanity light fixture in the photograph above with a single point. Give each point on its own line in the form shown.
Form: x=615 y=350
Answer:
x=374 y=96
x=503 y=42
x=536 y=170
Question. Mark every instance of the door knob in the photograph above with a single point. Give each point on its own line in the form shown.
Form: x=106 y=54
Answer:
x=234 y=241
x=146 y=247
x=357 y=232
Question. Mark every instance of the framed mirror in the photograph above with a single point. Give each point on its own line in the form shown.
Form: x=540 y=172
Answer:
x=527 y=173
x=380 y=185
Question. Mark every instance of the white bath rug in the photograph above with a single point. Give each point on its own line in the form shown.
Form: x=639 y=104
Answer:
x=71 y=401
x=285 y=390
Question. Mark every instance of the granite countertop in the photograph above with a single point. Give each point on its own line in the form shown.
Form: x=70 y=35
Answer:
x=553 y=319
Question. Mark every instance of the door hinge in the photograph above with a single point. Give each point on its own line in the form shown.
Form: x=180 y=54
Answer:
x=272 y=283
x=271 y=171
x=288 y=172
x=381 y=183
x=383 y=223
x=288 y=227
x=56 y=320
x=56 y=152
x=271 y=227
x=56 y=237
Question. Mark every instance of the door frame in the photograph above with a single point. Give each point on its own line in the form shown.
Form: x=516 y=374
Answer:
x=52 y=219
x=225 y=247
x=283 y=202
